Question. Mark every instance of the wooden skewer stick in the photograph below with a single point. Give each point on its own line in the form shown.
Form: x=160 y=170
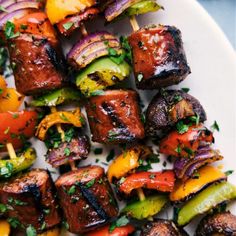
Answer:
x=11 y=151
x=141 y=194
x=134 y=23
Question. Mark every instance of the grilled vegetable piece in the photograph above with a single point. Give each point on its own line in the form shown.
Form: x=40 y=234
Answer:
x=10 y=100
x=161 y=227
x=205 y=201
x=78 y=149
x=186 y=144
x=86 y=199
x=30 y=200
x=118 y=231
x=58 y=10
x=67 y=26
x=127 y=161
x=17 y=127
x=146 y=208
x=170 y=106
x=92 y=47
x=218 y=224
x=155 y=68
x=114 y=117
x=61 y=117
x=15 y=165
x=187 y=167
x=101 y=74
x=56 y=97
x=3 y=86
x=4 y=228
x=160 y=181
x=184 y=190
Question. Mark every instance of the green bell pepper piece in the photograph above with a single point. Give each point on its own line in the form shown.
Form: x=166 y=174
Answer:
x=146 y=208
x=57 y=97
x=100 y=74
x=206 y=200
x=15 y=165
x=143 y=7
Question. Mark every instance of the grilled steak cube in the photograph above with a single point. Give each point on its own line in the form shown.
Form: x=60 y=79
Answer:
x=78 y=149
x=30 y=200
x=158 y=57
x=114 y=117
x=86 y=199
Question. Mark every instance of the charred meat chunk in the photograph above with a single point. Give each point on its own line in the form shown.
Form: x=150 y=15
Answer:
x=86 y=199
x=30 y=200
x=170 y=106
x=162 y=228
x=114 y=117
x=78 y=149
x=218 y=224
x=158 y=56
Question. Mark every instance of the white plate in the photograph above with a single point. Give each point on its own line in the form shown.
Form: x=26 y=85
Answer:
x=213 y=79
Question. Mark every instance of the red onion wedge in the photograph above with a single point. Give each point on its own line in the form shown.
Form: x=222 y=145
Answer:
x=186 y=167
x=93 y=47
x=20 y=5
x=6 y=3
x=117 y=8
x=15 y=15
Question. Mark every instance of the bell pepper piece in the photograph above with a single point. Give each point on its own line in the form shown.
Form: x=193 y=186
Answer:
x=143 y=7
x=3 y=85
x=58 y=10
x=61 y=117
x=118 y=231
x=15 y=165
x=205 y=176
x=205 y=201
x=57 y=97
x=126 y=162
x=101 y=74
x=16 y=127
x=51 y=232
x=10 y=100
x=146 y=208
x=4 y=228
x=186 y=144
x=160 y=181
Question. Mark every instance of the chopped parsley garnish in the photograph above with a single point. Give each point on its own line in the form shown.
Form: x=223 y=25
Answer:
x=215 y=126
x=69 y=134
x=72 y=190
x=68 y=25
x=14 y=222
x=118 y=223
x=90 y=183
x=97 y=93
x=111 y=155
x=178 y=149
x=31 y=231
x=3 y=208
x=24 y=27
x=67 y=151
x=229 y=172
x=181 y=127
x=186 y=90
x=9 y=30
x=188 y=151
x=195 y=119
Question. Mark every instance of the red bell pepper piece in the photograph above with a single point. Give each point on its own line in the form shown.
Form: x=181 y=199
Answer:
x=118 y=231
x=161 y=181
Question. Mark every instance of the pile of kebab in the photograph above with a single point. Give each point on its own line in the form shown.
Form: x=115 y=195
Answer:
x=84 y=194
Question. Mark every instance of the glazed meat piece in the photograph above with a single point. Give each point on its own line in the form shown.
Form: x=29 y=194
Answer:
x=220 y=224
x=162 y=228
x=114 y=117
x=31 y=200
x=158 y=57
x=78 y=150
x=86 y=199
x=170 y=106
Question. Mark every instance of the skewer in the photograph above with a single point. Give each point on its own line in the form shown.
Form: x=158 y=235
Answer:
x=134 y=23
x=11 y=151
x=141 y=194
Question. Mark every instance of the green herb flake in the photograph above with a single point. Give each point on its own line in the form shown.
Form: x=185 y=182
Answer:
x=119 y=223
x=215 y=126
x=67 y=151
x=90 y=183
x=3 y=208
x=186 y=90
x=63 y=117
x=181 y=127
x=20 y=203
x=65 y=224
x=97 y=93
x=189 y=151
x=178 y=149
x=195 y=119
x=31 y=231
x=68 y=25
x=14 y=222
x=98 y=151
x=72 y=190
x=111 y=155
x=69 y=134
x=15 y=115
x=24 y=27
x=152 y=176
x=9 y=30
x=229 y=172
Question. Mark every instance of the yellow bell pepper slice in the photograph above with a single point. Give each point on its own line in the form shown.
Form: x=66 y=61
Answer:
x=4 y=228
x=3 y=85
x=10 y=100
x=60 y=117
x=206 y=176
x=52 y=232
x=127 y=161
x=58 y=10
